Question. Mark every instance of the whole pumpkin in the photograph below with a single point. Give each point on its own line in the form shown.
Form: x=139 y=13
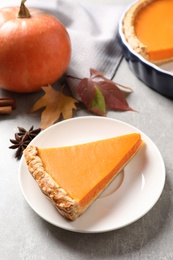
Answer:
x=35 y=49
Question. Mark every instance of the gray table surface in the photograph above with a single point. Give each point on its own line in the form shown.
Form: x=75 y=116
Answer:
x=24 y=235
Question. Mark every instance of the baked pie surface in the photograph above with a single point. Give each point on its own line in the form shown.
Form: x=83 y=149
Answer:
x=147 y=27
x=72 y=177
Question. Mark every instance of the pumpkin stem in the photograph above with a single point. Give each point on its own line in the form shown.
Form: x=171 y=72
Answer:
x=23 y=11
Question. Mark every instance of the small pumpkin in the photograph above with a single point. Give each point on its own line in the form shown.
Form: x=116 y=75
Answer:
x=35 y=49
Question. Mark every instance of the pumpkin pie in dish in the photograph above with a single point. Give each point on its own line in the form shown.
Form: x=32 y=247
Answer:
x=148 y=28
x=72 y=177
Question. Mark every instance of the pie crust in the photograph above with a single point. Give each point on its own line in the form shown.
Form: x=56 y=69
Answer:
x=66 y=206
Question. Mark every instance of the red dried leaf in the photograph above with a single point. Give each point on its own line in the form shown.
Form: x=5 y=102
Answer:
x=111 y=98
x=114 y=97
x=86 y=90
x=92 y=97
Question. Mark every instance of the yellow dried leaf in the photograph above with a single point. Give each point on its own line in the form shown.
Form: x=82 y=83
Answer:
x=55 y=104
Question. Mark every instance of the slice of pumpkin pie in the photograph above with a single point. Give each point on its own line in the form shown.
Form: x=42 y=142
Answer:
x=72 y=177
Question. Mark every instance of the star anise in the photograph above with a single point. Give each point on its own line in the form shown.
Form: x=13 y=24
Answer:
x=31 y=133
x=22 y=139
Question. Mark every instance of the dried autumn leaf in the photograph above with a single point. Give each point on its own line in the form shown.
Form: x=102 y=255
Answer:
x=92 y=97
x=98 y=105
x=114 y=97
x=55 y=104
x=101 y=92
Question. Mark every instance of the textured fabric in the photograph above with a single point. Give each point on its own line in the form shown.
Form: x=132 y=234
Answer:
x=93 y=32
x=92 y=29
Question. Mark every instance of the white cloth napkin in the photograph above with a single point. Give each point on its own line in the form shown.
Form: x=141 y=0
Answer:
x=93 y=33
x=92 y=29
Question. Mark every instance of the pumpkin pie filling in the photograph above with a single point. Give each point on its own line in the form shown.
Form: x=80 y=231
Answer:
x=148 y=27
x=73 y=176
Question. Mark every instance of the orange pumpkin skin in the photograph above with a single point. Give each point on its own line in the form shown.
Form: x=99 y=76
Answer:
x=34 y=51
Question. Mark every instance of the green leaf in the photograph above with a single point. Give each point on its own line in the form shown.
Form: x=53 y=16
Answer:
x=98 y=105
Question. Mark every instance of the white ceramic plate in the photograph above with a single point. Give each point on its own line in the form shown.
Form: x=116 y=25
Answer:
x=131 y=195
